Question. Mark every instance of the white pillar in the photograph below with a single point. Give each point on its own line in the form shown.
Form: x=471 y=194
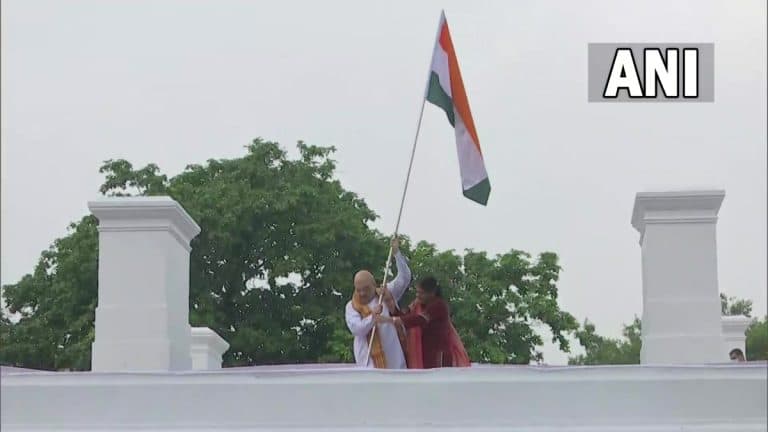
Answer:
x=142 y=318
x=207 y=349
x=735 y=332
x=681 y=303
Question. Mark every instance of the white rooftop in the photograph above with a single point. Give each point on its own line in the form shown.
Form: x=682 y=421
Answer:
x=339 y=397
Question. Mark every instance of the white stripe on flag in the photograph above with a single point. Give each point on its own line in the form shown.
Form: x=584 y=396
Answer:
x=471 y=163
x=440 y=67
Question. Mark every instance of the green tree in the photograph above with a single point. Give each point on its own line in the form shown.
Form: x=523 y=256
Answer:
x=602 y=350
x=56 y=303
x=271 y=270
x=757 y=340
x=496 y=300
x=731 y=306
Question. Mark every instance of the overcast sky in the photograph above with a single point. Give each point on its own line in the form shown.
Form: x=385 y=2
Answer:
x=179 y=82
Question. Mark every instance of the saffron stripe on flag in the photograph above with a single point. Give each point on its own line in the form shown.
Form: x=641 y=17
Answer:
x=445 y=89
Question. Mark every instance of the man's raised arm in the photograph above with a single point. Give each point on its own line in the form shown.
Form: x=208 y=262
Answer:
x=398 y=286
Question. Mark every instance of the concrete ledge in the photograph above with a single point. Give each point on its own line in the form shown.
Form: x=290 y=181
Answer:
x=616 y=398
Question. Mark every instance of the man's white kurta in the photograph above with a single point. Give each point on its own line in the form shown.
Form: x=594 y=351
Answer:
x=361 y=328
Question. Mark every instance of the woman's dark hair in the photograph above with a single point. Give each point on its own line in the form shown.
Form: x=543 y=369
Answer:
x=430 y=285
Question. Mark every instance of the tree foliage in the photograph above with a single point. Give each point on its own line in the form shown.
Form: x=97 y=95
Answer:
x=757 y=340
x=497 y=300
x=272 y=269
x=603 y=350
x=732 y=306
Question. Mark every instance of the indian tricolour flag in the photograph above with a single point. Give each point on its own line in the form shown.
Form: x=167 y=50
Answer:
x=446 y=90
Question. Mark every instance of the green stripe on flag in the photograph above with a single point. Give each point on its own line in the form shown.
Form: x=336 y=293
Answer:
x=437 y=96
x=479 y=193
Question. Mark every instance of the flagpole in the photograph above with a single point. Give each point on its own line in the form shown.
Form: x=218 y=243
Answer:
x=399 y=217
x=410 y=167
x=405 y=187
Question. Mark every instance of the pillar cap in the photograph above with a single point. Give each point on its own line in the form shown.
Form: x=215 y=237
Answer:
x=205 y=337
x=736 y=323
x=144 y=213
x=676 y=207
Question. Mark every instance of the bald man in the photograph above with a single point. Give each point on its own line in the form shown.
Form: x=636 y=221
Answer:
x=361 y=311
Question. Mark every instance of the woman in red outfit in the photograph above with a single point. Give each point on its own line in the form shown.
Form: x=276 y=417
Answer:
x=432 y=340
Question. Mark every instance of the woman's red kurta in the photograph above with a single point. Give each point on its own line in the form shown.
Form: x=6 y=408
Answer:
x=440 y=344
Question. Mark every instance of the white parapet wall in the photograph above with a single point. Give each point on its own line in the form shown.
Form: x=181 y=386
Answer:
x=681 y=303
x=207 y=349
x=142 y=318
x=707 y=398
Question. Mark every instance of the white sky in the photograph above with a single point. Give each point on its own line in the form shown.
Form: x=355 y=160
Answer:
x=177 y=82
